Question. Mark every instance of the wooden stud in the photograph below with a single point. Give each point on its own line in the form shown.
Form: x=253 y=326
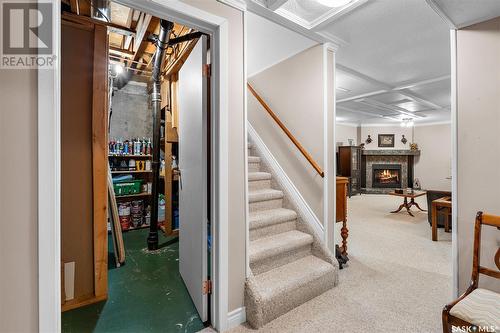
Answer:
x=100 y=160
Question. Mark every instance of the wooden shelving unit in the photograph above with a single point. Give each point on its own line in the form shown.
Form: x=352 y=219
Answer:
x=130 y=156
x=130 y=171
x=133 y=195
x=145 y=175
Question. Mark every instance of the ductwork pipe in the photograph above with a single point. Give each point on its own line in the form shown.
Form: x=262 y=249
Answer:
x=161 y=45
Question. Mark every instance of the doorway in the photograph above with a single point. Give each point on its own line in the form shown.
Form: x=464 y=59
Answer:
x=215 y=211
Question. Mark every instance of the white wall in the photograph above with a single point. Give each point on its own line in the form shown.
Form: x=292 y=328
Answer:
x=433 y=166
x=345 y=132
x=374 y=131
x=269 y=43
x=18 y=202
x=293 y=89
x=478 y=118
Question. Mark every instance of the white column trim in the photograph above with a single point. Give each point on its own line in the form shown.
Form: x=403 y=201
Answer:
x=49 y=185
x=329 y=202
x=454 y=161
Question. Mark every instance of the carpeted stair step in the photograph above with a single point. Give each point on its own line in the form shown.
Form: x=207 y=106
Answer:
x=273 y=293
x=259 y=180
x=265 y=199
x=271 y=222
x=253 y=164
x=274 y=251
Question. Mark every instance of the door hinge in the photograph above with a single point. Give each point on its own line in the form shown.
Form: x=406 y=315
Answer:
x=207 y=287
x=207 y=70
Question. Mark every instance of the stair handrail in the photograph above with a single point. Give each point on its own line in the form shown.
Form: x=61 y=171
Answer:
x=297 y=144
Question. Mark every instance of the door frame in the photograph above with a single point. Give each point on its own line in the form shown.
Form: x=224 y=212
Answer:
x=49 y=163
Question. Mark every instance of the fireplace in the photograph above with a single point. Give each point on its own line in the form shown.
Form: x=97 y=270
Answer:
x=386 y=175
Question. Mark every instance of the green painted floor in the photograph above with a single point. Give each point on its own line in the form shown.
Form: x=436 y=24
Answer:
x=146 y=294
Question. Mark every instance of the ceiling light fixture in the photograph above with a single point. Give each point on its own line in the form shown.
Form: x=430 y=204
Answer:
x=334 y=3
x=118 y=69
x=407 y=122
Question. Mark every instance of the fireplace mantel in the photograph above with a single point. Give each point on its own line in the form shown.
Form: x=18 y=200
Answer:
x=391 y=152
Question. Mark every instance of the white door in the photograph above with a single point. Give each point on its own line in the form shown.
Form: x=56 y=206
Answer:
x=193 y=175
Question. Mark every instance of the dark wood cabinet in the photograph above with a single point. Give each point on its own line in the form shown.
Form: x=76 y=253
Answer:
x=349 y=165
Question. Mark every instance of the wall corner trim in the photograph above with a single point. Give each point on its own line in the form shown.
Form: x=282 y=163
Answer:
x=435 y=7
x=236 y=317
x=296 y=197
x=237 y=4
x=332 y=46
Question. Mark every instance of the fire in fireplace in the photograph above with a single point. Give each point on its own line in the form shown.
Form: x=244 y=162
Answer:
x=386 y=175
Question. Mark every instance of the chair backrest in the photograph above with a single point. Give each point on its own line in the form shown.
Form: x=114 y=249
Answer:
x=493 y=221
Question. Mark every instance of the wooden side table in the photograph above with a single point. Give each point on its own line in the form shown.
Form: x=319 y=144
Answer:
x=445 y=203
x=408 y=194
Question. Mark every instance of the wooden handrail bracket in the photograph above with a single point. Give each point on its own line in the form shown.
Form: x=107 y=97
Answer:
x=297 y=144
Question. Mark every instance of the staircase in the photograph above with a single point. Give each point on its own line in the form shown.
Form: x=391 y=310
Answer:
x=289 y=264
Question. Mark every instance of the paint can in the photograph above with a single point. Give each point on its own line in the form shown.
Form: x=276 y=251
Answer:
x=124 y=215
x=136 y=210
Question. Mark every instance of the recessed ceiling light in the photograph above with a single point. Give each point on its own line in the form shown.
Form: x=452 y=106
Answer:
x=334 y=3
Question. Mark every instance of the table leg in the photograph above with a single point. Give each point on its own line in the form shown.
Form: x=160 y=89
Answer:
x=408 y=210
x=413 y=203
x=403 y=205
x=447 y=221
x=434 y=222
x=344 y=233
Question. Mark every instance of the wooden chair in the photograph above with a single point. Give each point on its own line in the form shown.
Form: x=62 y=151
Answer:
x=476 y=307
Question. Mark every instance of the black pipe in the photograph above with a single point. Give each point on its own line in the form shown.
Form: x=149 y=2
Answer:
x=161 y=45
x=185 y=38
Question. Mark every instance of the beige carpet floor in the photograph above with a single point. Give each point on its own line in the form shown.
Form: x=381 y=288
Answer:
x=397 y=279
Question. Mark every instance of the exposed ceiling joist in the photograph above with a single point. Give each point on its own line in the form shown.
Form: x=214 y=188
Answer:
x=127 y=41
x=121 y=52
x=142 y=28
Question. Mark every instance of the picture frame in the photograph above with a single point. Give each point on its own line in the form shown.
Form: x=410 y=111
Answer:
x=386 y=140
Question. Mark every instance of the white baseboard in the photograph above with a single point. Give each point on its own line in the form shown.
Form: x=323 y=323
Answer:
x=304 y=210
x=236 y=317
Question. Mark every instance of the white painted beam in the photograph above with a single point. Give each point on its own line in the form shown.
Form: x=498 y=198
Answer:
x=423 y=82
x=388 y=88
x=387 y=107
x=275 y=4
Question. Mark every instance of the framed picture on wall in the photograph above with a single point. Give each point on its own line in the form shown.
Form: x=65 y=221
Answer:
x=386 y=140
